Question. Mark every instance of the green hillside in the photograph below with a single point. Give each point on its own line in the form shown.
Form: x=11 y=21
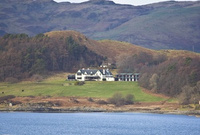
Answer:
x=59 y=87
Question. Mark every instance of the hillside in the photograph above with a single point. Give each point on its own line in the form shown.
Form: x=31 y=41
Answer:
x=169 y=72
x=107 y=48
x=22 y=56
x=165 y=71
x=167 y=25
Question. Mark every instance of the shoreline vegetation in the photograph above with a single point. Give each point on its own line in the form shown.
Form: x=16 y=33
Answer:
x=79 y=104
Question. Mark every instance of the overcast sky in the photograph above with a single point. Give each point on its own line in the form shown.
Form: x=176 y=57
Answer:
x=132 y=2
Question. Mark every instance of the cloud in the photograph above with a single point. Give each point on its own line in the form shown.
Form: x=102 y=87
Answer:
x=131 y=2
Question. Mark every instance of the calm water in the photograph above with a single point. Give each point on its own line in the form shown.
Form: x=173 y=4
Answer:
x=97 y=124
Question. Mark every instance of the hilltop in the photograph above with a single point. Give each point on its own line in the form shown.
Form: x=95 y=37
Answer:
x=166 y=25
x=107 y=48
x=112 y=49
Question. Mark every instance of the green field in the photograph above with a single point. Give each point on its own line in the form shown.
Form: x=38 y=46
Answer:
x=60 y=87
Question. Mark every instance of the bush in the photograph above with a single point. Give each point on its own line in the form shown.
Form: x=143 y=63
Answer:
x=16 y=102
x=197 y=107
x=37 y=78
x=129 y=99
x=104 y=79
x=6 y=98
x=31 y=96
x=56 y=103
x=11 y=80
x=79 y=83
x=102 y=102
x=90 y=99
x=74 y=100
x=118 y=99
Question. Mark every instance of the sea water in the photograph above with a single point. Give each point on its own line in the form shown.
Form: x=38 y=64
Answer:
x=97 y=124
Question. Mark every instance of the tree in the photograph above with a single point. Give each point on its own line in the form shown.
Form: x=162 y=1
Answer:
x=153 y=82
x=184 y=97
x=190 y=95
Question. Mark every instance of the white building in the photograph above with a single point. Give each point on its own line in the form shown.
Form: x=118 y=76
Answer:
x=94 y=75
x=127 y=76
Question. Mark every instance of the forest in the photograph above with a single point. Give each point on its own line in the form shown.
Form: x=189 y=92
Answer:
x=22 y=56
x=173 y=76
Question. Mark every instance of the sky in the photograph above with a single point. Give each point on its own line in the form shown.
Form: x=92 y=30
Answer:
x=131 y=2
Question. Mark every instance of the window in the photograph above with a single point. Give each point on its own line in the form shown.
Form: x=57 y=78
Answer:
x=79 y=73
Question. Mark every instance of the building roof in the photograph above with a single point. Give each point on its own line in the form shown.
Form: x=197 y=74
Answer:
x=88 y=71
x=128 y=73
x=105 y=72
x=93 y=71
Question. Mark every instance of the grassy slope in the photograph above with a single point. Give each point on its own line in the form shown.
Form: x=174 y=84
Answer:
x=57 y=86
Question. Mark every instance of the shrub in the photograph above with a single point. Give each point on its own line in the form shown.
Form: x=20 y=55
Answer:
x=56 y=103
x=102 y=102
x=118 y=99
x=197 y=107
x=104 y=79
x=11 y=80
x=129 y=99
x=37 y=78
x=74 y=100
x=16 y=102
x=90 y=99
x=79 y=83
x=31 y=96
x=6 y=98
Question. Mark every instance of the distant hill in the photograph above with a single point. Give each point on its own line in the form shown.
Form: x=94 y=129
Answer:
x=166 y=25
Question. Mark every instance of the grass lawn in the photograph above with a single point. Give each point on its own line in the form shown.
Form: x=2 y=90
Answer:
x=59 y=87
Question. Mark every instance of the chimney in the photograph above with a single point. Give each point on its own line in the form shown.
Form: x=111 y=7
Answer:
x=104 y=71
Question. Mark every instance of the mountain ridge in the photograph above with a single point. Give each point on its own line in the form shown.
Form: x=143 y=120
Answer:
x=166 y=25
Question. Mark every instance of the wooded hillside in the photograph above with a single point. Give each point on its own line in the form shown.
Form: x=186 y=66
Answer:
x=171 y=72
x=22 y=56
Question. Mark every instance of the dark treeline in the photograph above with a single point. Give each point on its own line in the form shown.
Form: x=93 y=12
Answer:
x=22 y=56
x=173 y=76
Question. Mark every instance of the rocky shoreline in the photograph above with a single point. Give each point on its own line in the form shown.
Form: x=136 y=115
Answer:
x=94 y=110
x=76 y=105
